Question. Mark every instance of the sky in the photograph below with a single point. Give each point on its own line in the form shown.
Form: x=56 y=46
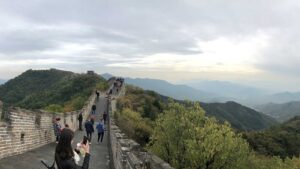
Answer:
x=249 y=42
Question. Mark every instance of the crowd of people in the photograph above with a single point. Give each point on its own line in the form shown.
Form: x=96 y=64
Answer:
x=65 y=156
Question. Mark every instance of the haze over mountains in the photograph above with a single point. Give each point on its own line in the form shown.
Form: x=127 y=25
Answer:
x=221 y=91
x=281 y=112
x=214 y=91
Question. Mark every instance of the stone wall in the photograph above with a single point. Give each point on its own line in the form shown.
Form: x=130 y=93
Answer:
x=26 y=130
x=126 y=153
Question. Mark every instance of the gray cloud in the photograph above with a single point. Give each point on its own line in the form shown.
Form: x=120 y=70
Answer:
x=118 y=31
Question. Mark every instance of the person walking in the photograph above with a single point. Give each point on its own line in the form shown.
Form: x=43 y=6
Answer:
x=57 y=129
x=80 y=118
x=100 y=129
x=98 y=94
x=92 y=115
x=93 y=110
x=65 y=157
x=104 y=116
x=89 y=128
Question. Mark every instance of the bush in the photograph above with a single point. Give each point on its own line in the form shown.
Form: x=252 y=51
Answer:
x=134 y=125
x=55 y=108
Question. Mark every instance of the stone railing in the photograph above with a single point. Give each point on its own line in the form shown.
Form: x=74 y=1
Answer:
x=125 y=153
x=25 y=130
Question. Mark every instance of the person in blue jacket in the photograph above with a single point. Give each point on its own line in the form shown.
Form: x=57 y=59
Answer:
x=100 y=129
x=89 y=128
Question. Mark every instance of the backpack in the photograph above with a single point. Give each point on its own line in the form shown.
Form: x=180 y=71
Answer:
x=48 y=167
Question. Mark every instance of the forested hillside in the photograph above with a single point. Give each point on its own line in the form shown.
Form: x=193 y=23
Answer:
x=282 y=140
x=239 y=116
x=181 y=134
x=53 y=90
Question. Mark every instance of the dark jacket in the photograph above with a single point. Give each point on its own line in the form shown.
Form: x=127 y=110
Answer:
x=89 y=127
x=80 y=118
x=70 y=163
x=57 y=129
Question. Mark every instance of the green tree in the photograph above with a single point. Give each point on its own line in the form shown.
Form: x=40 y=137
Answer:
x=185 y=138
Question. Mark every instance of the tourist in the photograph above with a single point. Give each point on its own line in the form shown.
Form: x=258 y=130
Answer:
x=98 y=94
x=89 y=128
x=92 y=115
x=57 y=129
x=100 y=129
x=80 y=118
x=93 y=110
x=104 y=117
x=65 y=157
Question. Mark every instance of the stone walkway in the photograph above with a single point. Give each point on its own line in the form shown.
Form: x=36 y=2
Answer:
x=31 y=159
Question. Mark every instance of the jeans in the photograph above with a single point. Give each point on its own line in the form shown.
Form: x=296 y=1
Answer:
x=80 y=124
x=89 y=136
x=100 y=135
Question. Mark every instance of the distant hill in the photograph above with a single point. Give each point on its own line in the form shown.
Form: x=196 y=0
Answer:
x=247 y=95
x=284 y=97
x=39 y=89
x=107 y=76
x=281 y=140
x=212 y=91
x=180 y=92
x=239 y=116
x=281 y=112
x=228 y=89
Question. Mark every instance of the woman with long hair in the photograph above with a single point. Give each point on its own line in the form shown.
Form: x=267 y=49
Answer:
x=65 y=157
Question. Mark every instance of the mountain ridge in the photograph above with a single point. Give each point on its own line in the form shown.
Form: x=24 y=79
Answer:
x=281 y=112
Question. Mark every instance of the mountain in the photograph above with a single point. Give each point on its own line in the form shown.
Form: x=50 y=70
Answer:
x=107 y=76
x=281 y=140
x=239 y=116
x=250 y=96
x=39 y=89
x=228 y=89
x=181 y=92
x=284 y=97
x=281 y=112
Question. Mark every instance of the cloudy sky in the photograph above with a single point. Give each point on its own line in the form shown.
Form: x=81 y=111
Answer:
x=247 y=41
